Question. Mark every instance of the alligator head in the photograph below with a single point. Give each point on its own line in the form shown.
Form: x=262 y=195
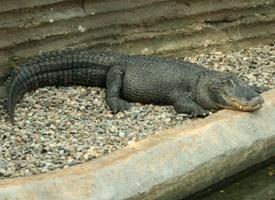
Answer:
x=228 y=91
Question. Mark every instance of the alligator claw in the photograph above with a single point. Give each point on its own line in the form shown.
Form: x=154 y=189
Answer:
x=117 y=105
x=203 y=113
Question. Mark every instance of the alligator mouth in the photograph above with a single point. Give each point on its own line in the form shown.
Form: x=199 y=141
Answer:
x=249 y=106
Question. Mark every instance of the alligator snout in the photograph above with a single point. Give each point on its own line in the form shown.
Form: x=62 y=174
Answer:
x=258 y=100
x=255 y=103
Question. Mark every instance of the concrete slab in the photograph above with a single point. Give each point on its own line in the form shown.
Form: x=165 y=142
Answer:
x=169 y=165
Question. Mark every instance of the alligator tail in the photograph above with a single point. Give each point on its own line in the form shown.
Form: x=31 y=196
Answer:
x=62 y=68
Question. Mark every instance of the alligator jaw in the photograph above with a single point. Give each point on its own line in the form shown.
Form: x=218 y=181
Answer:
x=248 y=106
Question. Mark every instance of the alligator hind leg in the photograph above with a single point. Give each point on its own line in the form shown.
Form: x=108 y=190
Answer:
x=185 y=104
x=114 y=83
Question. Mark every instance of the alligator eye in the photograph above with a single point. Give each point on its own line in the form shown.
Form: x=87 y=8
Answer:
x=221 y=83
x=227 y=83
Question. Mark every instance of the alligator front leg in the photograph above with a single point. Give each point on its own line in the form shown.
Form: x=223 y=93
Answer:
x=185 y=104
x=114 y=83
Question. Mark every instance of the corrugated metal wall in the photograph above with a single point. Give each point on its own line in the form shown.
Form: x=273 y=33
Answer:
x=170 y=27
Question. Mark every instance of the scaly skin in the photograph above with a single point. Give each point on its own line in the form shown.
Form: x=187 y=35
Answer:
x=146 y=79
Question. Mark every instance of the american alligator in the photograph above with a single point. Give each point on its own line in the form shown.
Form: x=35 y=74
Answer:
x=190 y=88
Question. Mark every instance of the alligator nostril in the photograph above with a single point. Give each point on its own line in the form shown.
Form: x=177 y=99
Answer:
x=257 y=100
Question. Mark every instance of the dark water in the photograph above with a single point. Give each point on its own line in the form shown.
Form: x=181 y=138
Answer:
x=257 y=183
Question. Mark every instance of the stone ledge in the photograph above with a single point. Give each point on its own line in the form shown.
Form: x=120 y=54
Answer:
x=172 y=164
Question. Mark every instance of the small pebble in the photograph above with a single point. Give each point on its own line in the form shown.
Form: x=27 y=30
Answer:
x=121 y=134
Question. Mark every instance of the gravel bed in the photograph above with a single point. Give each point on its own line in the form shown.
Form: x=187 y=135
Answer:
x=60 y=127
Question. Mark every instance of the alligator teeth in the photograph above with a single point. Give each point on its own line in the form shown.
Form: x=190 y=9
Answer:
x=241 y=106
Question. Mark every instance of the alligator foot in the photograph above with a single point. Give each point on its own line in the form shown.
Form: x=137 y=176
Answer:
x=117 y=104
x=185 y=104
x=199 y=113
